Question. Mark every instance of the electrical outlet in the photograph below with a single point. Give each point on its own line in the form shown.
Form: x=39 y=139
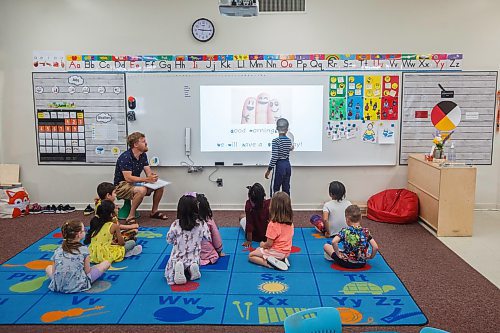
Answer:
x=219 y=182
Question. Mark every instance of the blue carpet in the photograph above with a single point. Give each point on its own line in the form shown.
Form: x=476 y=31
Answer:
x=230 y=292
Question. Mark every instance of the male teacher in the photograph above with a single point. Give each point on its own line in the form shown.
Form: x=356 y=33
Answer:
x=129 y=167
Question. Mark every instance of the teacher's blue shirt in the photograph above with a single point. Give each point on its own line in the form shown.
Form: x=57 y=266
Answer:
x=127 y=162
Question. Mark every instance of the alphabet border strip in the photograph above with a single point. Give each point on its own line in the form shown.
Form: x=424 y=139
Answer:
x=254 y=63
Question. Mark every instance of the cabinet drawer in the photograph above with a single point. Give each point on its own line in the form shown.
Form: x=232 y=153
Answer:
x=428 y=207
x=424 y=177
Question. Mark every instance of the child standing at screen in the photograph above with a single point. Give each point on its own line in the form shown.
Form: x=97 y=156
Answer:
x=71 y=271
x=186 y=234
x=355 y=241
x=276 y=249
x=333 y=218
x=280 y=164
x=256 y=216
x=210 y=250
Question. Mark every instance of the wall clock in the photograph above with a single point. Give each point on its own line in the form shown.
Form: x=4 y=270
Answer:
x=203 y=29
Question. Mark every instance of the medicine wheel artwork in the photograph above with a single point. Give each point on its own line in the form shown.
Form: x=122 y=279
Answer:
x=446 y=116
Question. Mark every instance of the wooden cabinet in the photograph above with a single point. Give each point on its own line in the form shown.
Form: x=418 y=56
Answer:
x=446 y=195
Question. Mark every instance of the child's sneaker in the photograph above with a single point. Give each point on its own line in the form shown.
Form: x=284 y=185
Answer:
x=277 y=264
x=317 y=222
x=68 y=208
x=194 y=269
x=48 y=209
x=60 y=209
x=129 y=234
x=286 y=261
x=134 y=252
x=88 y=210
x=36 y=209
x=327 y=257
x=179 y=277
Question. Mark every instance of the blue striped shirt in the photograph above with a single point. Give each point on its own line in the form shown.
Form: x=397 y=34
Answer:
x=281 y=147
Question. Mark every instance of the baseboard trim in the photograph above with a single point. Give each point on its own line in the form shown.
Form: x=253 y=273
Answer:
x=299 y=207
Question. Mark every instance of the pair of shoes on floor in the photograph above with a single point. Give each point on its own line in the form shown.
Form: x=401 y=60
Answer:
x=49 y=209
x=88 y=210
x=134 y=252
x=180 y=277
x=36 y=209
x=65 y=209
x=281 y=265
x=61 y=209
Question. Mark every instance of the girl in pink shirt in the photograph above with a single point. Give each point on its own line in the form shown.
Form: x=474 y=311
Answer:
x=274 y=252
x=210 y=250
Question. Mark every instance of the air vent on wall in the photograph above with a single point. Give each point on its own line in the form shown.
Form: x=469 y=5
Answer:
x=282 y=6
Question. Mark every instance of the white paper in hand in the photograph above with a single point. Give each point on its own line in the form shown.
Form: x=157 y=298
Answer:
x=156 y=185
x=290 y=136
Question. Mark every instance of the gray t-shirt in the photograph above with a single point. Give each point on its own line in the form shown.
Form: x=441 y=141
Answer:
x=336 y=215
x=69 y=271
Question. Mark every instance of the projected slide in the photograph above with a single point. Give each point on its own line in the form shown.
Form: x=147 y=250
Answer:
x=243 y=118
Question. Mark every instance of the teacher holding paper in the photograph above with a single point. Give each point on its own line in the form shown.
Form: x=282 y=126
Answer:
x=128 y=180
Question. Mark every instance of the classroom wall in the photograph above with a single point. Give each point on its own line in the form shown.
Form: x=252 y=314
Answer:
x=163 y=27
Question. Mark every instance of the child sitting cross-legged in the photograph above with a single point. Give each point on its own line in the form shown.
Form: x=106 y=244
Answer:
x=106 y=241
x=355 y=241
x=275 y=250
x=256 y=218
x=333 y=218
x=107 y=191
x=71 y=271
x=186 y=234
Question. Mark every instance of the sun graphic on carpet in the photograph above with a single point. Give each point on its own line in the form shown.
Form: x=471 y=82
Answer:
x=274 y=287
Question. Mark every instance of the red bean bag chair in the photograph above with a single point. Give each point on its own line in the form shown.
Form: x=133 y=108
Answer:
x=393 y=206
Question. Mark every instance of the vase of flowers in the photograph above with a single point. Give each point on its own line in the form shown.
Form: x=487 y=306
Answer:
x=438 y=153
x=439 y=141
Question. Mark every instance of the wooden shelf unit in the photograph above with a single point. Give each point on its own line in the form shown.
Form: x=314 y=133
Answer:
x=446 y=195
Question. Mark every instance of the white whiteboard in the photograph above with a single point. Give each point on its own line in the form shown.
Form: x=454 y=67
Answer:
x=168 y=103
x=474 y=93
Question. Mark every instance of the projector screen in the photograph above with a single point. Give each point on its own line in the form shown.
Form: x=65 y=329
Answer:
x=240 y=118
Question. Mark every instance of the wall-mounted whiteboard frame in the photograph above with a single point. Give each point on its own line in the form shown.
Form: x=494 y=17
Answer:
x=168 y=103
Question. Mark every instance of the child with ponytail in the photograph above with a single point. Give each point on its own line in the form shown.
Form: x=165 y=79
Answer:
x=105 y=239
x=71 y=271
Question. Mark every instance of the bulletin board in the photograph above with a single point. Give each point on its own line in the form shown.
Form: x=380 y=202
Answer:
x=444 y=102
x=79 y=117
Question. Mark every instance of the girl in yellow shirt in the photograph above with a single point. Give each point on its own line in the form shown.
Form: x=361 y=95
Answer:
x=106 y=241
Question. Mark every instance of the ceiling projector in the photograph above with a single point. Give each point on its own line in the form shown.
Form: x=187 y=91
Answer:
x=245 y=8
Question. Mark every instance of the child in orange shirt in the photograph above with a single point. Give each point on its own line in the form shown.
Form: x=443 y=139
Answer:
x=274 y=252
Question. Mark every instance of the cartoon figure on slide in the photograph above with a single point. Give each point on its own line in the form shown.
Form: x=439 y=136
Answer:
x=262 y=109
